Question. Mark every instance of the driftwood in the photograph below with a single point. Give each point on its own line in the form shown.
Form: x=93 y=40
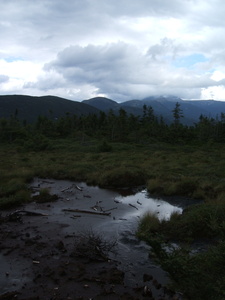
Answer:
x=78 y=188
x=87 y=211
x=133 y=206
x=110 y=209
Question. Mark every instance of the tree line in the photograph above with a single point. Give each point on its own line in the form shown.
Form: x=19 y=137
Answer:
x=115 y=127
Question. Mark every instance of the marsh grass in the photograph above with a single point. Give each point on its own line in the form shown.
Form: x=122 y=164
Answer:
x=166 y=169
x=148 y=226
x=201 y=221
x=45 y=196
x=199 y=275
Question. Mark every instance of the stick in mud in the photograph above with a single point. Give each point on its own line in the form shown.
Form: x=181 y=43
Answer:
x=87 y=212
x=133 y=206
x=78 y=188
x=110 y=209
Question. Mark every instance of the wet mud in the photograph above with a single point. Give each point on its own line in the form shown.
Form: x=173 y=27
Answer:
x=55 y=250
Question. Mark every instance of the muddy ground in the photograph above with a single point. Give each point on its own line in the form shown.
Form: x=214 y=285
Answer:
x=49 y=253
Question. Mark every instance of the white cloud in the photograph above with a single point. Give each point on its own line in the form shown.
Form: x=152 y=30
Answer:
x=123 y=50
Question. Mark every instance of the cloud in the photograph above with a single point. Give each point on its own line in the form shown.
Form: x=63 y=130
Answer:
x=123 y=50
x=120 y=70
x=3 y=79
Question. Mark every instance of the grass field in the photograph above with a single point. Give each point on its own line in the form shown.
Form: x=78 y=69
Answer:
x=197 y=172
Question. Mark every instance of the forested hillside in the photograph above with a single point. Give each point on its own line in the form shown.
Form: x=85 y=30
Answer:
x=121 y=127
x=28 y=109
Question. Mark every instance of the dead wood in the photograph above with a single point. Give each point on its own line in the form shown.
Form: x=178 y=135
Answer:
x=110 y=209
x=87 y=211
x=133 y=206
x=66 y=189
x=78 y=188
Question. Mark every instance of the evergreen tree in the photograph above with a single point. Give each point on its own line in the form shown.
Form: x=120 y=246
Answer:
x=177 y=114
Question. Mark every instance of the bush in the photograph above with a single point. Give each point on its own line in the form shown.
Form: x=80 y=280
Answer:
x=37 y=143
x=104 y=147
x=93 y=246
x=200 y=275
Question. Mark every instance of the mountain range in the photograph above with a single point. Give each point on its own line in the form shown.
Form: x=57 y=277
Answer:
x=29 y=107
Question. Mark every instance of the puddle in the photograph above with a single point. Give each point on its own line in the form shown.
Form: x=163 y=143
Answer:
x=125 y=212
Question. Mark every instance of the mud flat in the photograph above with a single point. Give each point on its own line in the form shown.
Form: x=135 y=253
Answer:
x=80 y=246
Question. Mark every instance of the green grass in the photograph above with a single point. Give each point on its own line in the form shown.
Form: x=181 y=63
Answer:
x=166 y=169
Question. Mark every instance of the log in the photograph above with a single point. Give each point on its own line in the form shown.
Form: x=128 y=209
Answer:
x=87 y=211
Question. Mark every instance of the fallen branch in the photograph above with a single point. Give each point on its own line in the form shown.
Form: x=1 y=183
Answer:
x=79 y=188
x=87 y=211
x=65 y=189
x=133 y=206
x=110 y=209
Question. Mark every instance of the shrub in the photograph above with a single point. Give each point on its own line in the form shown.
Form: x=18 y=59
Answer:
x=200 y=275
x=93 y=246
x=104 y=147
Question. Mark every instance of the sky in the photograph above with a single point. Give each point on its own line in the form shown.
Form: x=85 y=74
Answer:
x=121 y=49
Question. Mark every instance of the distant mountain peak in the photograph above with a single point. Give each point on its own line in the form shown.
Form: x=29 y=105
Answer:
x=101 y=103
x=171 y=98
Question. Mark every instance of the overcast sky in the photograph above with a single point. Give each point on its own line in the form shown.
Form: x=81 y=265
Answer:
x=121 y=49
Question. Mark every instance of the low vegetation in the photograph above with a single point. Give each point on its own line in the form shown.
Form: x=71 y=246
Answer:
x=93 y=246
x=119 y=151
x=191 y=248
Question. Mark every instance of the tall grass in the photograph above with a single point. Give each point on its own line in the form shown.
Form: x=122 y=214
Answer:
x=169 y=170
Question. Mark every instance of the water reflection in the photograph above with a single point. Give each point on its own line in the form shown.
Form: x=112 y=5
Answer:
x=142 y=203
